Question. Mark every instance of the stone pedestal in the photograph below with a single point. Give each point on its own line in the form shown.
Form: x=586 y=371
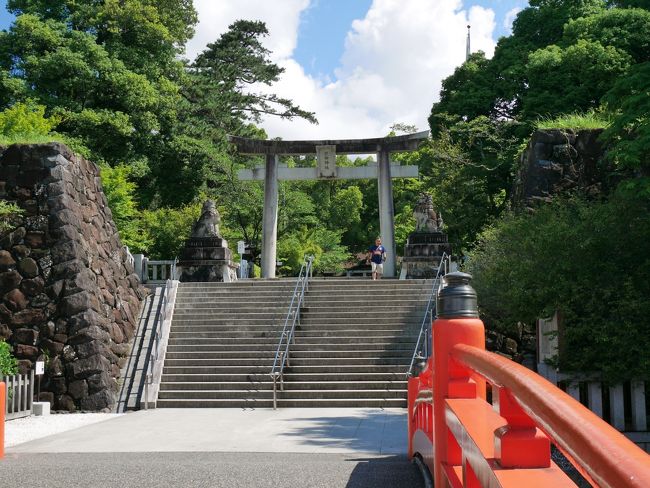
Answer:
x=205 y=259
x=423 y=252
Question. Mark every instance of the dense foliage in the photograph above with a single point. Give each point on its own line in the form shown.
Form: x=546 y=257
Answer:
x=588 y=261
x=109 y=78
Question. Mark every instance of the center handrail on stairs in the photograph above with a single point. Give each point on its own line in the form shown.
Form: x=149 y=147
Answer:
x=287 y=337
x=424 y=338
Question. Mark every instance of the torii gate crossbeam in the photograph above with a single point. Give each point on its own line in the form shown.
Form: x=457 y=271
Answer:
x=327 y=170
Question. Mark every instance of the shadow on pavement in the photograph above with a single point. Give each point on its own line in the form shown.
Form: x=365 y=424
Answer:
x=374 y=431
x=391 y=471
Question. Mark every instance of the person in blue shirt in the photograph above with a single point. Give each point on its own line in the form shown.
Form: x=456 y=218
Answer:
x=376 y=258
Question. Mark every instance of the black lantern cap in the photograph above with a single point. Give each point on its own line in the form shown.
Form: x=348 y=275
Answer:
x=458 y=298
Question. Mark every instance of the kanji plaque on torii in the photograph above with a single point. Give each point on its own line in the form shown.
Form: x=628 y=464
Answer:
x=326 y=168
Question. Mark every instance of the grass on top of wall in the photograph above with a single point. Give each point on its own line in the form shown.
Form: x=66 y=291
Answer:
x=575 y=121
x=29 y=139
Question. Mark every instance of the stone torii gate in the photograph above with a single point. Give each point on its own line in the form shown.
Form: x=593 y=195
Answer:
x=326 y=169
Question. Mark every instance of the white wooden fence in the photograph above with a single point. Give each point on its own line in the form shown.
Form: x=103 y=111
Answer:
x=19 y=395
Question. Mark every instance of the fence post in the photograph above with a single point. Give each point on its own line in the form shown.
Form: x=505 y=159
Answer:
x=457 y=323
x=3 y=392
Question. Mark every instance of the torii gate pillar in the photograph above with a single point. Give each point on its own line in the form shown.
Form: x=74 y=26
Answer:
x=270 y=217
x=386 y=210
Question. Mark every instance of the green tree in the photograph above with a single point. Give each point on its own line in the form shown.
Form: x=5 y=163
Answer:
x=629 y=133
x=572 y=79
x=587 y=261
x=345 y=208
x=225 y=75
x=120 y=194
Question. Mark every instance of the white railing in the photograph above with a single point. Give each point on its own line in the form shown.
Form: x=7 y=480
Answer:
x=156 y=358
x=153 y=271
x=19 y=395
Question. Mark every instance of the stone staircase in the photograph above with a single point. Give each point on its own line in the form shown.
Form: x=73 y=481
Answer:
x=353 y=345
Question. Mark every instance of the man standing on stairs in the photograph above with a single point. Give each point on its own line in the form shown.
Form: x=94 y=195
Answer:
x=376 y=257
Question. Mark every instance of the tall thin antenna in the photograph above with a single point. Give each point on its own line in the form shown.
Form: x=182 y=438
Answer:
x=469 y=50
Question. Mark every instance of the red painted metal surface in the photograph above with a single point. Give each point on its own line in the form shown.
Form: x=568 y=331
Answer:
x=2 y=419
x=467 y=442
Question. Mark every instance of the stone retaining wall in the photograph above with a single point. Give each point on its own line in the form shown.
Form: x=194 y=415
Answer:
x=67 y=290
x=556 y=161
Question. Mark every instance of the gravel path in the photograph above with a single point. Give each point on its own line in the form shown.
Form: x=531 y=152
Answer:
x=28 y=429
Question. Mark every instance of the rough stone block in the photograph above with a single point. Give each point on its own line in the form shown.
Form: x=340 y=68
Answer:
x=28 y=268
x=23 y=351
x=32 y=287
x=7 y=262
x=9 y=280
x=26 y=336
x=15 y=300
x=28 y=317
x=101 y=400
x=78 y=389
x=83 y=368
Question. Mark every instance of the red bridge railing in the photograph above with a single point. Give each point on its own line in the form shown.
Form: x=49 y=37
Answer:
x=465 y=441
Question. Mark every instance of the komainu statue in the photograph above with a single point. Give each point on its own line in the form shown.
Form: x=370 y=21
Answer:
x=208 y=223
x=426 y=218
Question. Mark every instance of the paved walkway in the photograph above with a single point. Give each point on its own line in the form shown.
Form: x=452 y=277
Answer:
x=349 y=448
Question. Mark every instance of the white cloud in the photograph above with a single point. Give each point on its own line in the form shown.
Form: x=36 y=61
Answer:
x=391 y=70
x=282 y=20
x=510 y=17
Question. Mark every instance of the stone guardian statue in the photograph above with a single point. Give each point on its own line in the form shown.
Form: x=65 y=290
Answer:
x=208 y=223
x=426 y=219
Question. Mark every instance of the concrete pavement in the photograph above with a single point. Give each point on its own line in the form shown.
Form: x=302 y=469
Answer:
x=328 y=430
x=351 y=448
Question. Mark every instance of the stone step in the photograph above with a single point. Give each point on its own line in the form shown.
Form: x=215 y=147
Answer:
x=202 y=362
x=255 y=403
x=271 y=342
x=339 y=334
x=302 y=327
x=280 y=321
x=285 y=395
x=244 y=304
x=228 y=311
x=294 y=354
x=253 y=370
x=295 y=348
x=268 y=385
x=289 y=377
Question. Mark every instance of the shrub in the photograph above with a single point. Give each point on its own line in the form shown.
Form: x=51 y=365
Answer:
x=26 y=122
x=8 y=363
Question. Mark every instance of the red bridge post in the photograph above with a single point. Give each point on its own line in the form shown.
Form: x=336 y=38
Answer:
x=457 y=323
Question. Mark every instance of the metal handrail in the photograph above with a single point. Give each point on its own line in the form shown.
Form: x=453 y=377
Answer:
x=287 y=337
x=425 y=328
